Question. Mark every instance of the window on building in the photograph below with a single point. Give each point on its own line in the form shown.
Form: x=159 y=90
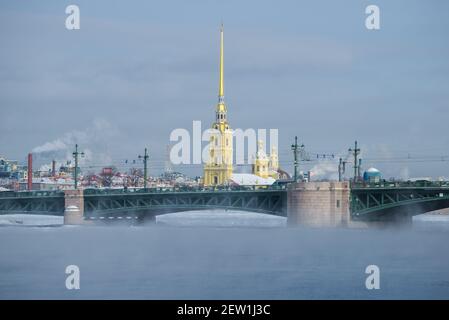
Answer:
x=215 y=180
x=338 y=203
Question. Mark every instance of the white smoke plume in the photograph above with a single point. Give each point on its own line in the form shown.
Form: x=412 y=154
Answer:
x=52 y=146
x=93 y=141
x=327 y=170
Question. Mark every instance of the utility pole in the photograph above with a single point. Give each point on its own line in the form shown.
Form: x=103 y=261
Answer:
x=168 y=164
x=355 y=153
x=340 y=169
x=145 y=170
x=359 y=169
x=76 y=154
x=296 y=150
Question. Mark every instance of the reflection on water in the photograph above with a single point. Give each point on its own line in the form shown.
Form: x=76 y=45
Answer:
x=170 y=262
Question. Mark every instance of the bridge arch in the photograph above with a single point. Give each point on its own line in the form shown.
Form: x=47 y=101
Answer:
x=393 y=204
x=110 y=204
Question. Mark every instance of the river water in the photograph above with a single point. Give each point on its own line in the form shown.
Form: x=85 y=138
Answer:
x=265 y=260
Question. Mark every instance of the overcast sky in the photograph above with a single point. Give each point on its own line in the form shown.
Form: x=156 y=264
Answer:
x=136 y=70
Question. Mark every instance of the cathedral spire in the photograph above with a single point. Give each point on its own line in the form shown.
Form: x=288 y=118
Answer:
x=221 y=82
x=218 y=169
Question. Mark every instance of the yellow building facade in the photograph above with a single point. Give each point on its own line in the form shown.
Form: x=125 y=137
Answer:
x=218 y=168
x=266 y=166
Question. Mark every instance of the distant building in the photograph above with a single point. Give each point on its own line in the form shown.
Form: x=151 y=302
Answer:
x=372 y=175
x=7 y=167
x=47 y=183
x=266 y=166
x=11 y=173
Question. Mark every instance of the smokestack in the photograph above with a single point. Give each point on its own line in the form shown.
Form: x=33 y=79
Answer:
x=30 y=172
x=53 y=168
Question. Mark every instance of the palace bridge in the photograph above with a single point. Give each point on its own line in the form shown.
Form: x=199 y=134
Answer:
x=313 y=203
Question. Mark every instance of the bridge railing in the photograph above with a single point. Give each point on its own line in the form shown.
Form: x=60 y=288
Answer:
x=97 y=191
x=401 y=184
x=27 y=194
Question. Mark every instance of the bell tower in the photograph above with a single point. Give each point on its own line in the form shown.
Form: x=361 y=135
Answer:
x=218 y=168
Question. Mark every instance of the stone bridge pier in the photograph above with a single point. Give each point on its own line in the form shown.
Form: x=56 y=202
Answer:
x=320 y=204
x=74 y=207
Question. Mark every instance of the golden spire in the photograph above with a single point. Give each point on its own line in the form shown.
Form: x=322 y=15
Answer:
x=221 y=84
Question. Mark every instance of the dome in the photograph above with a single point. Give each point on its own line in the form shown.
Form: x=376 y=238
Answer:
x=372 y=175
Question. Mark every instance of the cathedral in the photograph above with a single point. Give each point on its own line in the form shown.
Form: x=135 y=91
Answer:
x=266 y=165
x=218 y=169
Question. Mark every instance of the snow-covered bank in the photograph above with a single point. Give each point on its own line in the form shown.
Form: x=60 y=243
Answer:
x=431 y=221
x=211 y=218
x=220 y=218
x=431 y=218
x=30 y=220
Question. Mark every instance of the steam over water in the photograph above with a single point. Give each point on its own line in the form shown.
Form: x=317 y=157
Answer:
x=173 y=262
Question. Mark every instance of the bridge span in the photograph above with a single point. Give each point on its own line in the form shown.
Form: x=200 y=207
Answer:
x=304 y=203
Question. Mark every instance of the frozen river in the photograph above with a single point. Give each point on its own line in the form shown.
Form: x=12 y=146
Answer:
x=263 y=261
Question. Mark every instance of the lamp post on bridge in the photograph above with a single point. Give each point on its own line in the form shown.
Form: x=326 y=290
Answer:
x=355 y=152
x=341 y=168
x=76 y=154
x=296 y=149
x=145 y=158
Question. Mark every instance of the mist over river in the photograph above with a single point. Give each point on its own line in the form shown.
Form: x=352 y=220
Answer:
x=262 y=261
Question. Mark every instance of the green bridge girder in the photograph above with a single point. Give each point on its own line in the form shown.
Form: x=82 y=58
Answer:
x=269 y=201
x=33 y=202
x=382 y=201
